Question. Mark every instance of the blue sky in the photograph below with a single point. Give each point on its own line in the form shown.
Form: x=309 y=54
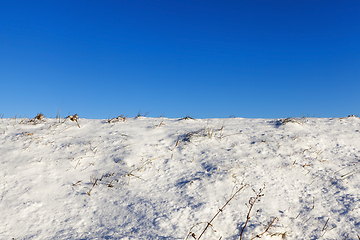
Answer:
x=253 y=59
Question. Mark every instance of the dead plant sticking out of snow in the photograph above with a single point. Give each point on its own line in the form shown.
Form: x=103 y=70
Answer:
x=191 y=135
x=239 y=190
x=252 y=202
x=187 y=117
x=120 y=118
x=95 y=181
x=39 y=118
x=350 y=116
x=250 y=205
x=214 y=131
x=74 y=118
x=209 y=132
x=284 y=121
x=139 y=115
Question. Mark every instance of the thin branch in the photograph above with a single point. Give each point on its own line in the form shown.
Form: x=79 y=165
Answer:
x=252 y=202
x=92 y=187
x=324 y=228
x=177 y=142
x=220 y=210
x=31 y=143
x=267 y=229
x=313 y=202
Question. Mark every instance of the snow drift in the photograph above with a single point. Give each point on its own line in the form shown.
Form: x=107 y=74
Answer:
x=159 y=178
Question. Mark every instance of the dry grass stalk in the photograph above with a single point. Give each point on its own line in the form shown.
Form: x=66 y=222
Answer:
x=324 y=228
x=159 y=125
x=313 y=203
x=141 y=115
x=31 y=143
x=65 y=129
x=78 y=163
x=95 y=182
x=210 y=132
x=78 y=182
x=209 y=224
x=110 y=184
x=252 y=202
x=267 y=229
x=58 y=116
x=176 y=144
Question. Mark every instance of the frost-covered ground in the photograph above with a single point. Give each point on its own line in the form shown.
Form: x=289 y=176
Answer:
x=156 y=178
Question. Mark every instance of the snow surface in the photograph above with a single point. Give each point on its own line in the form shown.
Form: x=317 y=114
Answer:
x=156 y=178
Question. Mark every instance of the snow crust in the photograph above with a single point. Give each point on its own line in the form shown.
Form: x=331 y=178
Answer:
x=156 y=178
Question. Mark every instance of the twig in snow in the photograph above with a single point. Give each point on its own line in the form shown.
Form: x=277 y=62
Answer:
x=31 y=142
x=95 y=182
x=306 y=220
x=92 y=149
x=77 y=163
x=324 y=228
x=177 y=142
x=65 y=129
x=313 y=202
x=348 y=175
x=58 y=116
x=75 y=184
x=208 y=224
x=267 y=229
x=252 y=202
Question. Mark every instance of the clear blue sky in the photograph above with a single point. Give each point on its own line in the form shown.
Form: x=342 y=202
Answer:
x=253 y=58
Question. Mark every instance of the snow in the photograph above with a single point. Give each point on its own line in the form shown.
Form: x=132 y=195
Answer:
x=160 y=178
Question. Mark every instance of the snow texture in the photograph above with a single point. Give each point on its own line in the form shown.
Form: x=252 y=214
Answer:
x=159 y=178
